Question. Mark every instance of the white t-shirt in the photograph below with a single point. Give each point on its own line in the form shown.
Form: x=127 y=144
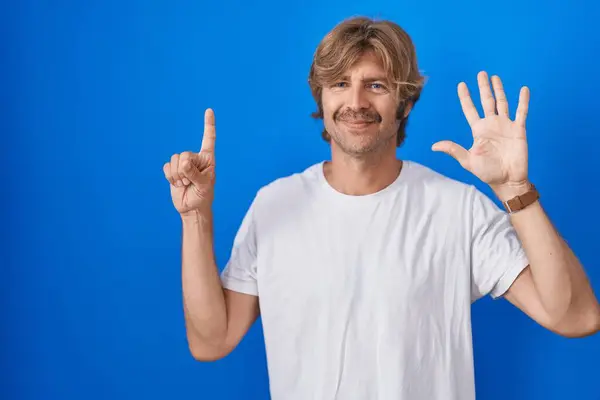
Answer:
x=369 y=297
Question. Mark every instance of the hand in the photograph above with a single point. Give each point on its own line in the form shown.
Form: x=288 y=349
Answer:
x=498 y=155
x=192 y=175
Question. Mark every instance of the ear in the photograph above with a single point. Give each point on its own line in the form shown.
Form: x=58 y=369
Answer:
x=408 y=109
x=405 y=108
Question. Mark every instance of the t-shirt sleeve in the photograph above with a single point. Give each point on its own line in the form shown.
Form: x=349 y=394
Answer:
x=239 y=274
x=498 y=256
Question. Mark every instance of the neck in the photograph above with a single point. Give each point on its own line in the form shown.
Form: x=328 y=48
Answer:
x=357 y=176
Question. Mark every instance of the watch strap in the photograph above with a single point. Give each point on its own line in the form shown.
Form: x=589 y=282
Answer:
x=520 y=202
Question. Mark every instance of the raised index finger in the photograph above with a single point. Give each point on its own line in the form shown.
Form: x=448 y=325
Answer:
x=210 y=135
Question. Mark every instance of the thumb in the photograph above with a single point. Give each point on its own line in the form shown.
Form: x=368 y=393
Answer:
x=454 y=150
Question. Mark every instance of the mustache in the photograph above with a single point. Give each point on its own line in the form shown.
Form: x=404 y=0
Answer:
x=357 y=116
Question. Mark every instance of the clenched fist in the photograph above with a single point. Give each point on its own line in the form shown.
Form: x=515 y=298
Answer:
x=192 y=175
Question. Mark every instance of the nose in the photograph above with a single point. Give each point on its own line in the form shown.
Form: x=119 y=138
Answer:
x=358 y=98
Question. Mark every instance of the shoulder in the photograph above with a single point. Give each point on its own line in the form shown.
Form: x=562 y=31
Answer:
x=434 y=192
x=451 y=195
x=424 y=179
x=289 y=189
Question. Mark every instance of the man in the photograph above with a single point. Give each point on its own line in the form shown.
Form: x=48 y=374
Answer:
x=364 y=267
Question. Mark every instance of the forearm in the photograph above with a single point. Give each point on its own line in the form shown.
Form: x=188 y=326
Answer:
x=203 y=298
x=559 y=278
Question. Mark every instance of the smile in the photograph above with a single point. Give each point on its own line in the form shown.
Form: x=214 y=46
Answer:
x=357 y=124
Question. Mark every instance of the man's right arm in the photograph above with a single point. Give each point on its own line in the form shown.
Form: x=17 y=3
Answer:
x=216 y=318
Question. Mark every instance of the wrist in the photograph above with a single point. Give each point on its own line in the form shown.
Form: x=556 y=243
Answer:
x=511 y=190
x=201 y=214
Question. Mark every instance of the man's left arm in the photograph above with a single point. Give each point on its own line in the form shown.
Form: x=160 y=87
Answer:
x=554 y=289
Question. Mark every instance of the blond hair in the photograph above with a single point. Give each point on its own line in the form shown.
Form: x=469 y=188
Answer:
x=343 y=46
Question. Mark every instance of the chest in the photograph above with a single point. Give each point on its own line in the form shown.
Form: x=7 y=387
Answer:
x=370 y=257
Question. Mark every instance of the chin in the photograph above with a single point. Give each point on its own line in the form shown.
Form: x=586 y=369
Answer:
x=358 y=143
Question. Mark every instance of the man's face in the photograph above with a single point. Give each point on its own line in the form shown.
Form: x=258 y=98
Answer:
x=360 y=109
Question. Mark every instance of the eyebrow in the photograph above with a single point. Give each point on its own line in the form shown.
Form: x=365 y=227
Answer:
x=368 y=79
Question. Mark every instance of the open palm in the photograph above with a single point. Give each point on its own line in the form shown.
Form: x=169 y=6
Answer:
x=498 y=155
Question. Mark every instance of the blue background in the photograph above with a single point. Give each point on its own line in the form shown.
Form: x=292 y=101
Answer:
x=96 y=96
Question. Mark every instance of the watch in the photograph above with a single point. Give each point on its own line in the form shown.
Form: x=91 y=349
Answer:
x=520 y=202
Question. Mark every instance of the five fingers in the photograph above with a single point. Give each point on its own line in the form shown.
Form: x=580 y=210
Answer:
x=492 y=102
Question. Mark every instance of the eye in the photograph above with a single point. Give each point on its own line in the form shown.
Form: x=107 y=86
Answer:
x=339 y=84
x=378 y=87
